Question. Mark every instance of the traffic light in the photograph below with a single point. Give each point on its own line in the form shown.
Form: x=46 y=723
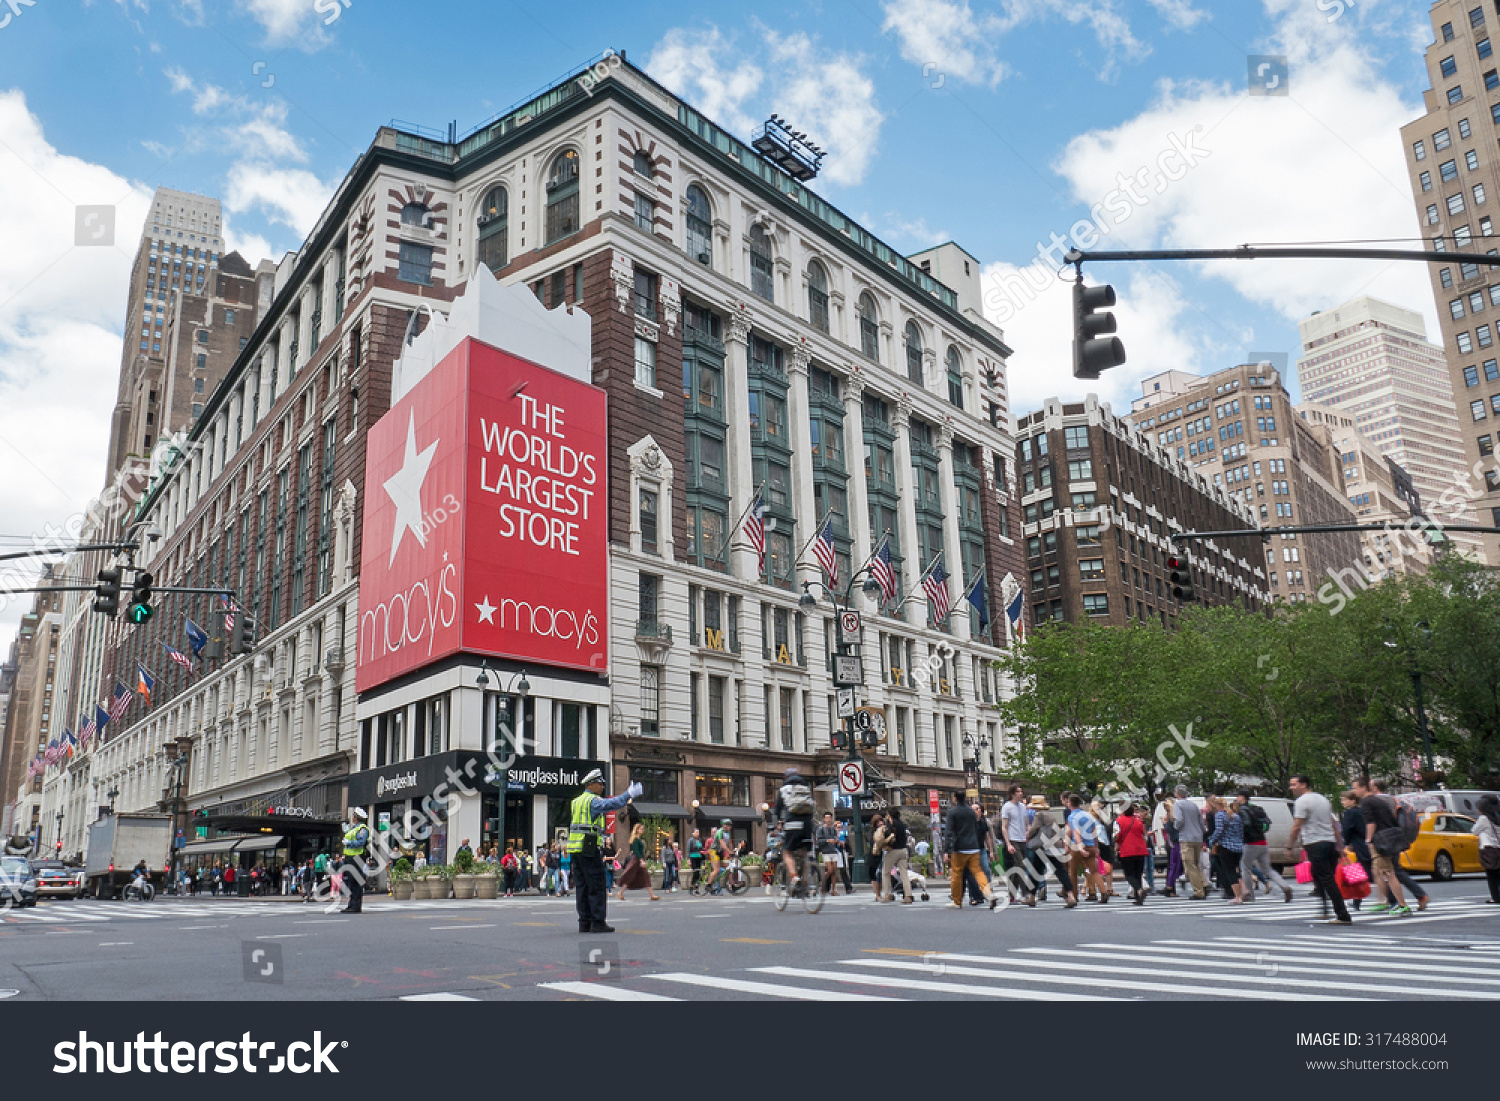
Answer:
x=107 y=593
x=1180 y=577
x=1092 y=351
x=242 y=635
x=840 y=739
x=140 y=609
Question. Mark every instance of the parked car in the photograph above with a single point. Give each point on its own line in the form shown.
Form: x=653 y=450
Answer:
x=53 y=877
x=17 y=882
x=1444 y=847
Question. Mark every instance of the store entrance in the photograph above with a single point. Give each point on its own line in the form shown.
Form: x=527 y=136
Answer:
x=517 y=833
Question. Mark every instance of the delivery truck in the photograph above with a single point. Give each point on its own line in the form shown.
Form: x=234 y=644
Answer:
x=118 y=842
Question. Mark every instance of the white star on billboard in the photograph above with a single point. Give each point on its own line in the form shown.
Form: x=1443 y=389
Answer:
x=405 y=489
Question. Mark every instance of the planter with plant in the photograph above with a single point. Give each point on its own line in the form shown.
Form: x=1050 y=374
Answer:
x=400 y=878
x=462 y=872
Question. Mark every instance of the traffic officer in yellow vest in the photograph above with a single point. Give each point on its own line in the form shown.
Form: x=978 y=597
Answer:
x=584 y=836
x=356 y=840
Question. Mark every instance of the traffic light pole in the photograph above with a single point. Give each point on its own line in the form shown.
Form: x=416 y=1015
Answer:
x=1078 y=258
x=55 y=551
x=1264 y=534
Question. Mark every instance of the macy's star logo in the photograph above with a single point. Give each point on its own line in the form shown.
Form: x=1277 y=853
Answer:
x=405 y=490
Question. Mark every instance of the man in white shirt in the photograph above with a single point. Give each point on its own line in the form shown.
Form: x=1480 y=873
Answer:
x=1314 y=826
x=1188 y=819
x=1013 y=837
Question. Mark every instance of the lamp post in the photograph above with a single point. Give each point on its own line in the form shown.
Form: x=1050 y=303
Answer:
x=521 y=687
x=1399 y=642
x=842 y=602
x=971 y=764
x=59 y=832
x=112 y=794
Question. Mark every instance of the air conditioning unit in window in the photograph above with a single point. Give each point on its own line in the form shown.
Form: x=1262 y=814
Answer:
x=705 y=258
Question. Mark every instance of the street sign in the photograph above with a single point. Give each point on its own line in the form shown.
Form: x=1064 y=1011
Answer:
x=852 y=778
x=849 y=625
x=932 y=800
x=846 y=702
x=848 y=671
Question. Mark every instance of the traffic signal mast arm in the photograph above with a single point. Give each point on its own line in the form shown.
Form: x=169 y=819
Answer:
x=1077 y=257
x=1316 y=529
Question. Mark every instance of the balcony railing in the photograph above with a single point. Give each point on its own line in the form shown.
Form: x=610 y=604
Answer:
x=653 y=630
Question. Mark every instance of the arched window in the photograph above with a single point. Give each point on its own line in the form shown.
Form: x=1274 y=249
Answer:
x=817 y=296
x=761 y=280
x=955 y=377
x=869 y=327
x=494 y=230
x=643 y=164
x=414 y=214
x=562 y=196
x=914 y=353
x=700 y=221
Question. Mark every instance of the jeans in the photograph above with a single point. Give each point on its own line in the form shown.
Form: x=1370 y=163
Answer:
x=669 y=877
x=609 y=875
x=1257 y=859
x=696 y=863
x=1228 y=862
x=894 y=860
x=1151 y=869
x=1324 y=858
x=958 y=864
x=1192 y=852
x=1174 y=866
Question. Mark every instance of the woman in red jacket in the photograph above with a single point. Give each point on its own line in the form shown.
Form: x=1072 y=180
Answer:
x=1131 y=848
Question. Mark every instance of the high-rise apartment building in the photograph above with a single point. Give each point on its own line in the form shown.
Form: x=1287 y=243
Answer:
x=1239 y=429
x=30 y=710
x=1099 y=500
x=1453 y=158
x=1380 y=491
x=1372 y=361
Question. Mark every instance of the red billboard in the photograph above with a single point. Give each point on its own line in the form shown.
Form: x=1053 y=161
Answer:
x=485 y=520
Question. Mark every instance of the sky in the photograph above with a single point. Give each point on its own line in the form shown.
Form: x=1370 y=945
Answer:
x=1006 y=126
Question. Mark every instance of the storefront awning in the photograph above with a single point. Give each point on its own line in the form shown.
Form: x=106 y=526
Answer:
x=208 y=848
x=734 y=814
x=257 y=844
x=662 y=810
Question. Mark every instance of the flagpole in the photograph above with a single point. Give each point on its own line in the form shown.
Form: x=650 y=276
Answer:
x=928 y=570
x=817 y=531
x=735 y=530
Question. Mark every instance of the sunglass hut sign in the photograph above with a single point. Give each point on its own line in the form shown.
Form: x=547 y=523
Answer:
x=485 y=519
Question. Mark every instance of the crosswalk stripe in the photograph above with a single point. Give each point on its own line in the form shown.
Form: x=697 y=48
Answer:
x=968 y=989
x=1258 y=980
x=1096 y=982
x=1236 y=961
x=1352 y=949
x=769 y=990
x=605 y=992
x=438 y=997
x=1296 y=954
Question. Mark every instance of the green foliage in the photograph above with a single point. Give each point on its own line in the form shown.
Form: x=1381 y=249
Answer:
x=464 y=862
x=1322 y=688
x=659 y=830
x=400 y=870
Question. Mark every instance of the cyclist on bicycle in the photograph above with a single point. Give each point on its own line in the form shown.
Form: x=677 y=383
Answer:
x=720 y=848
x=794 y=813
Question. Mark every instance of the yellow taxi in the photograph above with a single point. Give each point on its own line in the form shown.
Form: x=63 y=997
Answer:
x=1444 y=846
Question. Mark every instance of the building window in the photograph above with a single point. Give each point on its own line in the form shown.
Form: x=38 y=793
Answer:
x=649 y=600
x=1455 y=95
x=914 y=353
x=700 y=218
x=1455 y=205
x=643 y=165
x=955 y=378
x=562 y=196
x=869 y=327
x=1448 y=66
x=415 y=263
x=648 y=521
x=787 y=701
x=762 y=279
x=817 y=297
x=1476 y=409
x=645 y=362
x=724 y=790
x=651 y=702
x=645 y=213
x=494 y=230
x=414 y=214
x=1095 y=604
x=1418 y=151
x=716 y=692
x=197 y=386
x=1426 y=180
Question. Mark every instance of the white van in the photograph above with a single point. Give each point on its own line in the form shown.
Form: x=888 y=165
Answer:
x=1278 y=835
x=1455 y=802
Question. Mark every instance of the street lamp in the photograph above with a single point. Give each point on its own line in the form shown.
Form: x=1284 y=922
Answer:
x=112 y=794
x=59 y=831
x=1398 y=642
x=521 y=687
x=841 y=602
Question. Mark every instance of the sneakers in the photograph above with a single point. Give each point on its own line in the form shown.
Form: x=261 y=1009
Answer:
x=1401 y=911
x=1338 y=921
x=953 y=905
x=1378 y=908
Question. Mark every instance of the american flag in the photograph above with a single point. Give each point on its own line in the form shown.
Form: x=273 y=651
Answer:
x=86 y=729
x=230 y=607
x=935 y=585
x=755 y=528
x=883 y=571
x=826 y=553
x=179 y=657
x=119 y=702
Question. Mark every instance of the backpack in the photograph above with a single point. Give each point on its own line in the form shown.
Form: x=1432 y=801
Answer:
x=1410 y=824
x=895 y=834
x=797 y=797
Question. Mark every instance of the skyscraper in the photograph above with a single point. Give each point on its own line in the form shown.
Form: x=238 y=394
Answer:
x=1454 y=163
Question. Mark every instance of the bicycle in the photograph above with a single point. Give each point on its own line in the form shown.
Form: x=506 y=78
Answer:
x=807 y=888
x=730 y=878
x=145 y=892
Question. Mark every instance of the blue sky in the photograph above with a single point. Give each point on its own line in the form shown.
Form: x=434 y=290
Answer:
x=995 y=124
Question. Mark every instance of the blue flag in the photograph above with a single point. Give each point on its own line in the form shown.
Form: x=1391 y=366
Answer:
x=197 y=639
x=979 y=601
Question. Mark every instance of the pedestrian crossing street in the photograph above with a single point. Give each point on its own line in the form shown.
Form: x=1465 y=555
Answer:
x=1333 y=966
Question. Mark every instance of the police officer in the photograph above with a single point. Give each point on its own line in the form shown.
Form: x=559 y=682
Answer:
x=584 y=832
x=356 y=839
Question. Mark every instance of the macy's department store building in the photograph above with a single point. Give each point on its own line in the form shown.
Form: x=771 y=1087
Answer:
x=485 y=488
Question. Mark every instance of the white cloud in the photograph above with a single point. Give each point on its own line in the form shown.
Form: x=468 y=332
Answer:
x=61 y=312
x=825 y=93
x=948 y=34
x=1179 y=13
x=292 y=22
x=292 y=196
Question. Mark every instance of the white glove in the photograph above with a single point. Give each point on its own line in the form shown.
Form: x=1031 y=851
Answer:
x=634 y=789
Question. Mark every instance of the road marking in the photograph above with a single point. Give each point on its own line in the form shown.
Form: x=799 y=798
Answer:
x=1353 y=949
x=184 y=928
x=938 y=987
x=114 y=943
x=645 y=932
x=441 y=997
x=535 y=924
x=900 y=951
x=306 y=921
x=436 y=928
x=1295 y=954
x=281 y=936
x=1074 y=980
x=605 y=992
x=770 y=990
x=752 y=940
x=1265 y=961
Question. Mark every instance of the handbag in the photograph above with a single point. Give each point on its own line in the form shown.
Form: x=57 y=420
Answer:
x=1489 y=858
x=1350 y=887
x=1353 y=871
x=1304 y=872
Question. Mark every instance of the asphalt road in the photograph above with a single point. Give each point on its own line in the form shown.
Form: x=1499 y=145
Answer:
x=689 y=948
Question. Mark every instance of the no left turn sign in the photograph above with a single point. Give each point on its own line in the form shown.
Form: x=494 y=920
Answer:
x=852 y=778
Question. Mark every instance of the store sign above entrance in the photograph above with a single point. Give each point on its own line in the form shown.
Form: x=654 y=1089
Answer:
x=485 y=519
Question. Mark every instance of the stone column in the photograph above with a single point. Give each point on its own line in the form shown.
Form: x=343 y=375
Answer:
x=802 y=474
x=742 y=559
x=901 y=423
x=952 y=556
